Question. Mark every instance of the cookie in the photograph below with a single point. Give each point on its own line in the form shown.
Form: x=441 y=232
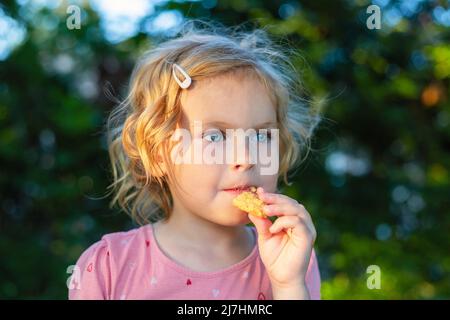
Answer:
x=248 y=201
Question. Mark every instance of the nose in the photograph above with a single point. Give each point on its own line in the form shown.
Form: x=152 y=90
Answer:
x=244 y=155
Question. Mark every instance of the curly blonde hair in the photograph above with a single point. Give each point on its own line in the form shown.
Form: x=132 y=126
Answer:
x=144 y=121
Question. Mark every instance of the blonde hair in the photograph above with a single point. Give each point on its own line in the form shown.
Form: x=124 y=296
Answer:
x=142 y=123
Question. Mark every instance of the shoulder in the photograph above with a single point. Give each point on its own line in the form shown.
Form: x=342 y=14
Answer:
x=115 y=243
x=120 y=241
x=92 y=275
x=119 y=246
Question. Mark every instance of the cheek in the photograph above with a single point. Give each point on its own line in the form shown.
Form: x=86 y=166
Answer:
x=200 y=177
x=269 y=183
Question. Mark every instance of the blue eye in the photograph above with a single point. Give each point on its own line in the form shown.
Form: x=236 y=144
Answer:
x=261 y=137
x=213 y=136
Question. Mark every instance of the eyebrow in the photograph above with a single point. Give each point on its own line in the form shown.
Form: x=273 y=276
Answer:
x=228 y=125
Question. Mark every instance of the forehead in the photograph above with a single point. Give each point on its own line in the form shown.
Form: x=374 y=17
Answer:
x=240 y=100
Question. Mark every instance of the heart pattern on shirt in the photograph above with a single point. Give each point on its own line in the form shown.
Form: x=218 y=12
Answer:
x=90 y=267
x=75 y=284
x=188 y=282
x=261 y=296
x=147 y=243
x=215 y=292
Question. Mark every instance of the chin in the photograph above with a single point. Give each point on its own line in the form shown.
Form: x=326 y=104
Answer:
x=236 y=220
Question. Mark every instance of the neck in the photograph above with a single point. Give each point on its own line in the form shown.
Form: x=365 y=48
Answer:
x=194 y=231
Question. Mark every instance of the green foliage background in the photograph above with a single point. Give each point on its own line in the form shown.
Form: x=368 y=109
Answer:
x=376 y=183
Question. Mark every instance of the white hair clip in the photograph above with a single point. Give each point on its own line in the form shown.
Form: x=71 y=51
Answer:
x=187 y=79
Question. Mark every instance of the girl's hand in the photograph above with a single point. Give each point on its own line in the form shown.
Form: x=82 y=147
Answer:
x=285 y=246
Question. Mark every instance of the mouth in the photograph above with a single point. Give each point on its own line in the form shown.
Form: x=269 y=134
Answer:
x=237 y=190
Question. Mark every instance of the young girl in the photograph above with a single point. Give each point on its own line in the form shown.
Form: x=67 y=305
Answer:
x=193 y=243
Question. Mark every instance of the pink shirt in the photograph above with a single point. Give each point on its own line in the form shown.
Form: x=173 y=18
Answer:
x=131 y=265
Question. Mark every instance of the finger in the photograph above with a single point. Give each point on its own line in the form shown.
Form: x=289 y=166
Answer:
x=262 y=226
x=271 y=198
x=287 y=209
x=290 y=222
x=282 y=209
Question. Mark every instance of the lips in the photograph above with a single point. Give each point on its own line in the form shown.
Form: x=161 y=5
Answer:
x=234 y=191
x=238 y=189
